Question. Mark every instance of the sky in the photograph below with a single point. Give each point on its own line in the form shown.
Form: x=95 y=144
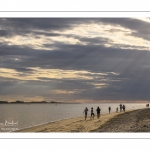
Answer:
x=76 y=60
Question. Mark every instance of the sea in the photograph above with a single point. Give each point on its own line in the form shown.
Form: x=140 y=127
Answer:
x=19 y=116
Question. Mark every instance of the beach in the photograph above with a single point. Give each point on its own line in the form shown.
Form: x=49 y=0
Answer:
x=129 y=121
x=132 y=121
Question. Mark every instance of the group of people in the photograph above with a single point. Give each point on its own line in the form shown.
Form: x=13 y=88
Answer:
x=122 y=107
x=98 y=110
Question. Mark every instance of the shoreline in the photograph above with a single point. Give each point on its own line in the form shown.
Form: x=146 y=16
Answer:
x=78 y=124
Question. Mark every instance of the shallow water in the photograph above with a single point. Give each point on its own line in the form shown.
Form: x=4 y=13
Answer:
x=25 y=115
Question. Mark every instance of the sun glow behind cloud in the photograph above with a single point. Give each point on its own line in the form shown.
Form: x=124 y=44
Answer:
x=144 y=19
x=117 y=36
x=46 y=74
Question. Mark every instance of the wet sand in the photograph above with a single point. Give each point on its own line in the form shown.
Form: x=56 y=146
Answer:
x=113 y=122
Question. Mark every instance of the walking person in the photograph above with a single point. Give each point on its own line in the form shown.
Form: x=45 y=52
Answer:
x=109 y=109
x=120 y=107
x=92 y=113
x=117 y=109
x=85 y=111
x=124 y=108
x=98 y=112
x=147 y=105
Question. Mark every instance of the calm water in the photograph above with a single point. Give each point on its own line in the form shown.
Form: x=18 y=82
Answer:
x=35 y=114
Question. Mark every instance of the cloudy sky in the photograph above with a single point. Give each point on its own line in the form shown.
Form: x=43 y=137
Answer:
x=75 y=59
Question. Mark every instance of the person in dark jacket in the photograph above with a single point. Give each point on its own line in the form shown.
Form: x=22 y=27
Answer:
x=124 y=108
x=109 y=109
x=98 y=112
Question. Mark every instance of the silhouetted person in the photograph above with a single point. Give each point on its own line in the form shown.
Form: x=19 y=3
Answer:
x=85 y=111
x=98 y=112
x=117 y=109
x=92 y=113
x=147 y=105
x=120 y=107
x=124 y=108
x=109 y=109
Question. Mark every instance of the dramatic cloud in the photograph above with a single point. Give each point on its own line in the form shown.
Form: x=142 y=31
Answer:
x=75 y=59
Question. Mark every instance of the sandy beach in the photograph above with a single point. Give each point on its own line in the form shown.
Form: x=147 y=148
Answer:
x=133 y=121
x=129 y=121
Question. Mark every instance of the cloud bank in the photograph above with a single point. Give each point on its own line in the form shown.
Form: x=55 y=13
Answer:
x=75 y=59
